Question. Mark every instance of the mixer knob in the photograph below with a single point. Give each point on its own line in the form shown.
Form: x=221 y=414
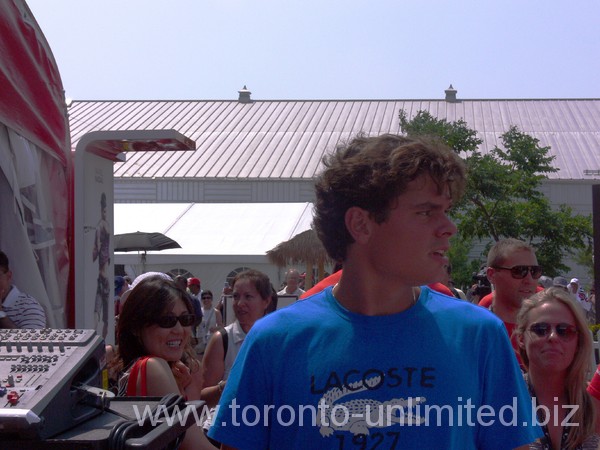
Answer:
x=13 y=398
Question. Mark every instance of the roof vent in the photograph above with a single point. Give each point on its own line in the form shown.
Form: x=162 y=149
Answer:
x=244 y=95
x=451 y=95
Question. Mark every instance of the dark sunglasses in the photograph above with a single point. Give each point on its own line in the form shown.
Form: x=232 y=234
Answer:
x=520 y=272
x=204 y=297
x=185 y=320
x=563 y=330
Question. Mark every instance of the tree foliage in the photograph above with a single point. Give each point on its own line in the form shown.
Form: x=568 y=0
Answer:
x=503 y=197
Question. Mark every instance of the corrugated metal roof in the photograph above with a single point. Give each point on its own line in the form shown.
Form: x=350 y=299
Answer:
x=286 y=139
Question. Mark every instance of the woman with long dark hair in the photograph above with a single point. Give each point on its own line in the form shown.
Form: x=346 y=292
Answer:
x=154 y=351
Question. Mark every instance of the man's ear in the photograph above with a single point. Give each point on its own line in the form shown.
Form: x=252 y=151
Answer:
x=358 y=223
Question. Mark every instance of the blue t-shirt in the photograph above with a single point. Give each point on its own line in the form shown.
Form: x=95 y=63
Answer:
x=440 y=375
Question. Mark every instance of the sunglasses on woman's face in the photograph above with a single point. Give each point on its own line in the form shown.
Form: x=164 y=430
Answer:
x=563 y=330
x=186 y=320
x=206 y=297
x=520 y=272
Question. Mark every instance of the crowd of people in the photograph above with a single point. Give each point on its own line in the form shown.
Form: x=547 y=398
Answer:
x=379 y=354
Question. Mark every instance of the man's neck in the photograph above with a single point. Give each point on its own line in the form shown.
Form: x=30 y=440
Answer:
x=359 y=294
x=505 y=310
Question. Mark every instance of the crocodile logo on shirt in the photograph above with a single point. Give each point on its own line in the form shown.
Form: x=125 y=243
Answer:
x=358 y=415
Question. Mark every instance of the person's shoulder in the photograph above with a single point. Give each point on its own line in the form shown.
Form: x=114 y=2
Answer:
x=23 y=295
x=20 y=298
x=159 y=377
x=487 y=300
x=30 y=303
x=460 y=310
x=321 y=294
x=156 y=365
x=299 y=314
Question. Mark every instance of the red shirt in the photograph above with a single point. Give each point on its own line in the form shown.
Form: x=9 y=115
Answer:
x=594 y=386
x=486 y=301
x=329 y=281
x=333 y=279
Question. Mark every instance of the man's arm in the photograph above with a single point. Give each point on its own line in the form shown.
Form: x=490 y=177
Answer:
x=5 y=322
x=31 y=314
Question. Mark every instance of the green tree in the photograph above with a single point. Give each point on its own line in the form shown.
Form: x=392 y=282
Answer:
x=503 y=196
x=463 y=267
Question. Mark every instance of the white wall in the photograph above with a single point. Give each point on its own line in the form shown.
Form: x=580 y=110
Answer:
x=212 y=274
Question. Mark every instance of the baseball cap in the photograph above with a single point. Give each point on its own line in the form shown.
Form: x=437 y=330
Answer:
x=575 y=280
x=193 y=282
x=145 y=275
x=560 y=282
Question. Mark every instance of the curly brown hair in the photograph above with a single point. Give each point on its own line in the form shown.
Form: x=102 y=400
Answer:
x=370 y=173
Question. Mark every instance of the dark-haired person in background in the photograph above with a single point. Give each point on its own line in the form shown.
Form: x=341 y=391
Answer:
x=17 y=310
x=154 y=355
x=252 y=293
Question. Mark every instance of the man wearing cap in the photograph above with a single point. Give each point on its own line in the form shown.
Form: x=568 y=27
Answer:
x=577 y=293
x=575 y=290
x=17 y=309
x=561 y=282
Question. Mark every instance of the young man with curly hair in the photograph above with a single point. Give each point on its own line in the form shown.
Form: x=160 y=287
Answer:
x=379 y=359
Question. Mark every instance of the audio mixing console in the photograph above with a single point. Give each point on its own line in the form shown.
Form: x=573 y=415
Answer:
x=47 y=380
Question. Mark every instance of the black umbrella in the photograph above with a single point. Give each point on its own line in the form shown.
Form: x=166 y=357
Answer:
x=142 y=241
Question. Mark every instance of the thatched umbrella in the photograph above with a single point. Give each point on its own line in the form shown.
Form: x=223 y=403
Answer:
x=303 y=248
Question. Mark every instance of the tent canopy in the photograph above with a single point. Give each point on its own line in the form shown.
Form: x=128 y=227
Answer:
x=216 y=228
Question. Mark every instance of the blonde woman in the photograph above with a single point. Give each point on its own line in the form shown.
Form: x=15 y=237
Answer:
x=555 y=345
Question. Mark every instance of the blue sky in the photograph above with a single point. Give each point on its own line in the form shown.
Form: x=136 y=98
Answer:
x=328 y=49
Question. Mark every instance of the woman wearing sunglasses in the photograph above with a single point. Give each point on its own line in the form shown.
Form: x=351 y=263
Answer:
x=154 y=351
x=555 y=346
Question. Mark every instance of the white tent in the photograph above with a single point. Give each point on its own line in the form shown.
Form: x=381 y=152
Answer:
x=215 y=238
